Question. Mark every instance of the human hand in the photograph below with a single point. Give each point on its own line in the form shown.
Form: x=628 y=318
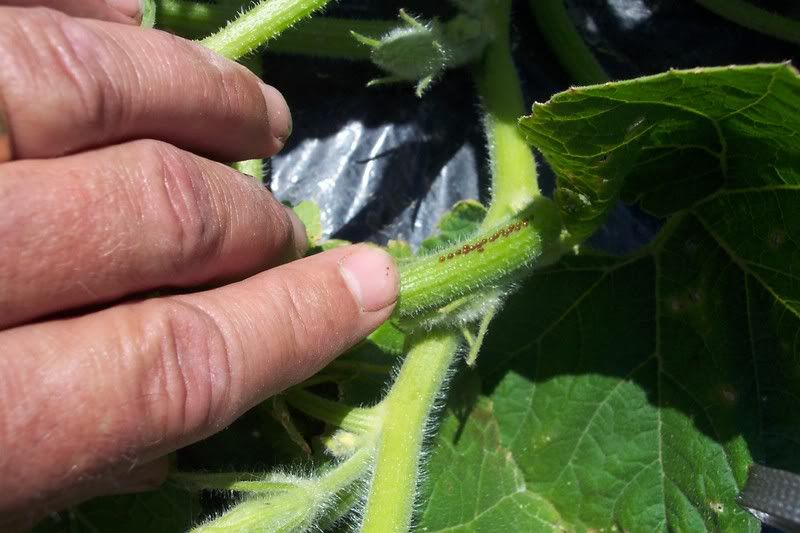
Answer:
x=105 y=200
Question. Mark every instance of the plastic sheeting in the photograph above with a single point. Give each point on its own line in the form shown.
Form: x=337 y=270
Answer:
x=384 y=164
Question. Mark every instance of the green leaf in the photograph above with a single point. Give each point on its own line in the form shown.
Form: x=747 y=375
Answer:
x=148 y=14
x=167 y=510
x=673 y=138
x=457 y=224
x=309 y=215
x=399 y=249
x=388 y=338
x=633 y=393
x=475 y=483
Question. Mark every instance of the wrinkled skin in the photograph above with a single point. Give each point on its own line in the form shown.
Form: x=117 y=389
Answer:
x=114 y=192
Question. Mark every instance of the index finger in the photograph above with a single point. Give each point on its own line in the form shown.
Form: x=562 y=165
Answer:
x=121 y=11
x=70 y=84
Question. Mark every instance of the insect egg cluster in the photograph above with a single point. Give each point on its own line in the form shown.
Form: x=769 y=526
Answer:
x=477 y=246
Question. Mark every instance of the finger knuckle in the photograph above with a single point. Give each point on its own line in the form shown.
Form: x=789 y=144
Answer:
x=60 y=58
x=308 y=319
x=190 y=380
x=237 y=88
x=193 y=224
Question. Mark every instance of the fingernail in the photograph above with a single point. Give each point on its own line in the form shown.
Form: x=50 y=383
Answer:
x=129 y=8
x=372 y=277
x=298 y=232
x=280 y=119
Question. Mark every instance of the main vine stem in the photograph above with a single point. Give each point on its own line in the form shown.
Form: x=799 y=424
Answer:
x=315 y=36
x=393 y=488
x=514 y=182
x=407 y=406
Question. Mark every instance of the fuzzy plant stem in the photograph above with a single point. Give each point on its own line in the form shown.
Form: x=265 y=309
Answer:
x=390 y=503
x=330 y=37
x=235 y=481
x=355 y=419
x=755 y=18
x=191 y=19
x=566 y=43
x=298 y=508
x=316 y=37
x=491 y=257
x=514 y=182
x=264 y=21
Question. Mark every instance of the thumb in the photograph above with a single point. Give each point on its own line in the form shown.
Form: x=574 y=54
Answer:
x=167 y=372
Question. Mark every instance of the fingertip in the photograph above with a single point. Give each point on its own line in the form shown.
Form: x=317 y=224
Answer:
x=372 y=278
x=130 y=8
x=299 y=235
x=278 y=114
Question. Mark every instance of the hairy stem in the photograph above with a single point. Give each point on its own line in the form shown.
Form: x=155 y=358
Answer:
x=296 y=509
x=755 y=18
x=514 y=182
x=491 y=258
x=236 y=481
x=191 y=19
x=393 y=487
x=264 y=21
x=318 y=37
x=566 y=43
x=356 y=419
x=329 y=37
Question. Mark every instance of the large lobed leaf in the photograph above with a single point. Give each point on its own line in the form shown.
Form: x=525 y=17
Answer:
x=632 y=393
x=668 y=140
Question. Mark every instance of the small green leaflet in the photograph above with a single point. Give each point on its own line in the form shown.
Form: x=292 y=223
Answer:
x=148 y=14
x=309 y=214
x=460 y=222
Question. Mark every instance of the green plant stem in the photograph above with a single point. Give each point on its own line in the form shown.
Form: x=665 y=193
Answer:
x=318 y=37
x=476 y=343
x=296 y=509
x=236 y=481
x=355 y=419
x=264 y=21
x=566 y=43
x=509 y=249
x=191 y=19
x=514 y=182
x=329 y=37
x=393 y=487
x=755 y=18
